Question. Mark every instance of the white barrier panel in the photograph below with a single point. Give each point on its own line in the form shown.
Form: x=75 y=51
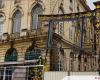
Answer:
x=64 y=75
x=81 y=78
x=55 y=75
x=84 y=73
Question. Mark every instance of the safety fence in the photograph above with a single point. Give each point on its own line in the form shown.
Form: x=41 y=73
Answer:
x=22 y=72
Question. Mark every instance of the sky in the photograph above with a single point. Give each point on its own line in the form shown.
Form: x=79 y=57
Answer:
x=90 y=3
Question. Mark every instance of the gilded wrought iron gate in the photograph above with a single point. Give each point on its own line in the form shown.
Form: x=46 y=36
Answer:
x=83 y=22
x=84 y=31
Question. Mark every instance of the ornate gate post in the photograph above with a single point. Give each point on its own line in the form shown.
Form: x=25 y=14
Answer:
x=97 y=31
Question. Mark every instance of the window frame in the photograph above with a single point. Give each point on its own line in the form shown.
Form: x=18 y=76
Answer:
x=12 y=31
x=32 y=14
x=61 y=24
x=2 y=23
x=1 y=4
x=9 y=53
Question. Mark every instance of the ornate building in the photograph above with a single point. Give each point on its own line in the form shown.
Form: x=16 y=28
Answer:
x=27 y=39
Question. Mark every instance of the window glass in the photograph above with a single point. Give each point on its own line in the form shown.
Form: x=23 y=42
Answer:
x=61 y=24
x=11 y=55
x=32 y=53
x=1 y=24
x=35 y=12
x=16 y=21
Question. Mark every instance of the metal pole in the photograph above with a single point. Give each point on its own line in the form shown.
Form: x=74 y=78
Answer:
x=4 y=73
x=94 y=45
x=82 y=33
x=59 y=60
x=48 y=44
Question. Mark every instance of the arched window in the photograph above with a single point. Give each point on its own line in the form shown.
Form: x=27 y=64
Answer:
x=36 y=10
x=32 y=53
x=61 y=11
x=61 y=23
x=11 y=55
x=1 y=24
x=16 y=25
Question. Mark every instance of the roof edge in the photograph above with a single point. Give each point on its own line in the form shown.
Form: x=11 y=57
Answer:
x=97 y=3
x=85 y=5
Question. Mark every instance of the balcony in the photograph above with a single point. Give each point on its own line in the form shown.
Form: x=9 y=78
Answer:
x=15 y=36
x=4 y=37
x=40 y=30
x=23 y=35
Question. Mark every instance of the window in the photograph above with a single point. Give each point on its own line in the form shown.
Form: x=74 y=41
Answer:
x=37 y=9
x=61 y=23
x=78 y=8
x=70 y=34
x=61 y=10
x=16 y=21
x=84 y=68
x=85 y=59
x=32 y=53
x=17 y=1
x=71 y=1
x=61 y=27
x=1 y=24
x=59 y=66
x=79 y=67
x=1 y=4
x=71 y=6
x=11 y=55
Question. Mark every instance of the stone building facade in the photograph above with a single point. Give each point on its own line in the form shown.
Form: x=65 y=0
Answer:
x=22 y=34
